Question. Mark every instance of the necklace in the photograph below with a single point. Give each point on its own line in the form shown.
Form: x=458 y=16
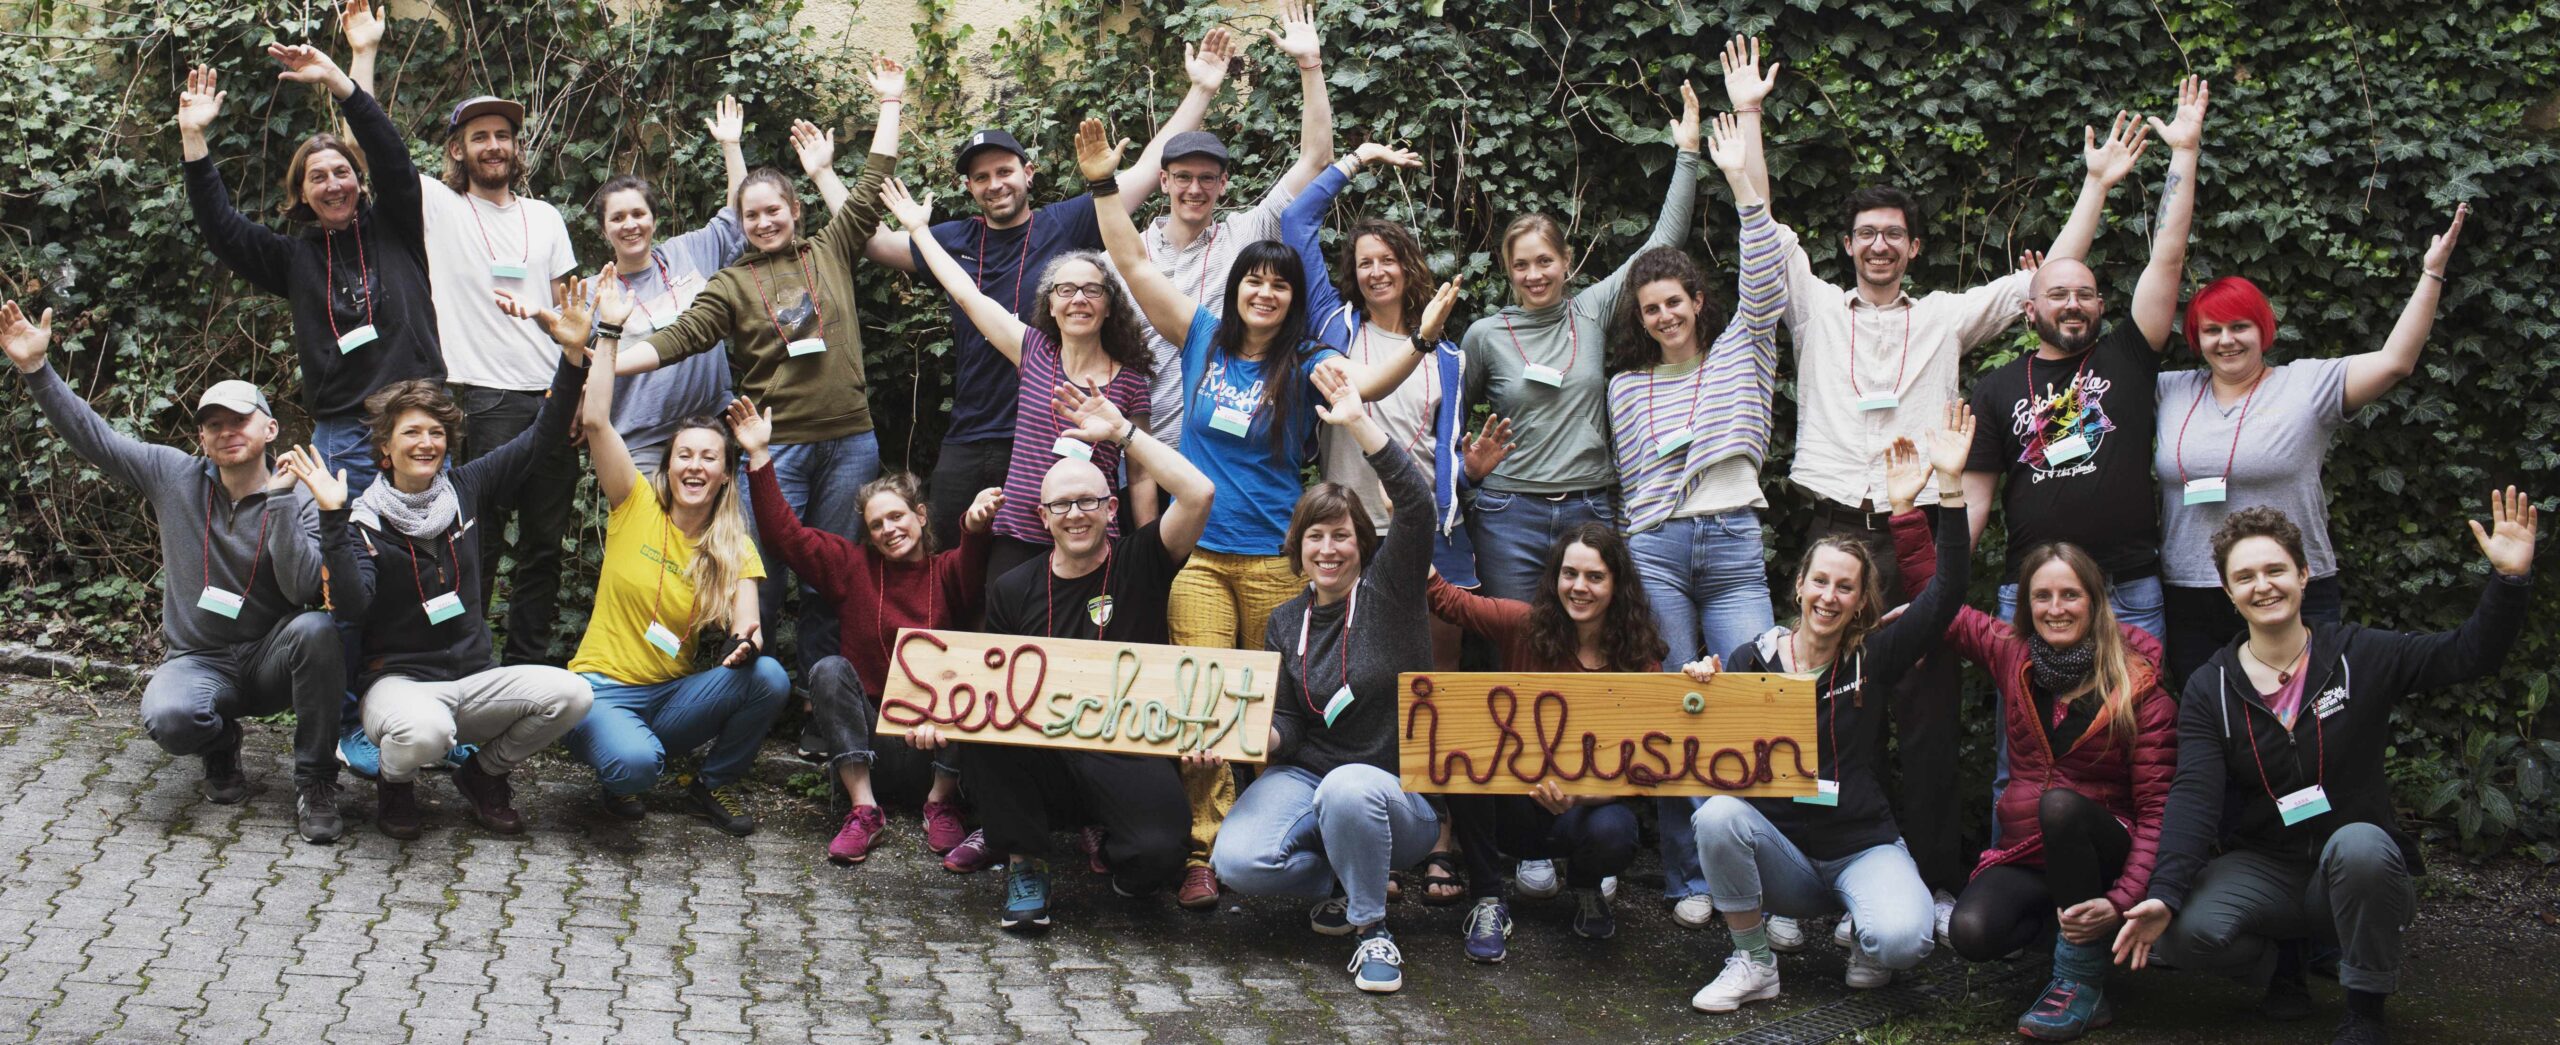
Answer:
x=2284 y=675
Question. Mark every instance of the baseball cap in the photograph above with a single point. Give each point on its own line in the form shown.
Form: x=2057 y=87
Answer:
x=983 y=141
x=239 y=397
x=484 y=105
x=1196 y=143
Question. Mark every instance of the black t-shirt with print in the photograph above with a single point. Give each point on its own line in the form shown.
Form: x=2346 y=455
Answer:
x=2105 y=500
x=1029 y=600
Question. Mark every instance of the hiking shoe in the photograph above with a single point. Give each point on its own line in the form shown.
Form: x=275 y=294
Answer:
x=491 y=798
x=2068 y=1009
x=1591 y=917
x=2361 y=1029
x=1536 y=879
x=1026 y=896
x=1694 y=911
x=224 y=783
x=1331 y=917
x=1090 y=840
x=1866 y=974
x=315 y=812
x=1377 y=966
x=970 y=856
x=623 y=807
x=1743 y=981
x=1786 y=935
x=357 y=752
x=862 y=827
x=943 y=829
x=396 y=809
x=1199 y=889
x=725 y=807
x=1488 y=930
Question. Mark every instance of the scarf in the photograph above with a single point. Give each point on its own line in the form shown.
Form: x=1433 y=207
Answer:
x=423 y=514
x=2060 y=671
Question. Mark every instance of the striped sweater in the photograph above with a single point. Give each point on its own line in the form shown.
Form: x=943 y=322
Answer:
x=1724 y=403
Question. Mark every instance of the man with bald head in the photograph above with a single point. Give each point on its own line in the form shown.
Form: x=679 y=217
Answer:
x=1090 y=586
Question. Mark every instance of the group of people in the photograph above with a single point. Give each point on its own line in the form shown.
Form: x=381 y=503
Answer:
x=1132 y=412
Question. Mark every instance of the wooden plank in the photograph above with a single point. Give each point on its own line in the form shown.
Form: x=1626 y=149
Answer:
x=1128 y=698
x=1750 y=735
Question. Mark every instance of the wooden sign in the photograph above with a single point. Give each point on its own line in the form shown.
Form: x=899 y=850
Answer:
x=1748 y=735
x=1126 y=698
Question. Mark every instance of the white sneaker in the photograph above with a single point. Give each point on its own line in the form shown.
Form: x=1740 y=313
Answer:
x=1786 y=935
x=1742 y=981
x=1865 y=974
x=1845 y=934
x=1536 y=879
x=1944 y=906
x=1609 y=888
x=1694 y=911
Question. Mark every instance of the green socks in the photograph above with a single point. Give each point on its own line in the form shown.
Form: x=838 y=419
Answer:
x=1754 y=941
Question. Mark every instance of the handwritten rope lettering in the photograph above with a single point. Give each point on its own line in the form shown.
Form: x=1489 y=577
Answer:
x=1546 y=749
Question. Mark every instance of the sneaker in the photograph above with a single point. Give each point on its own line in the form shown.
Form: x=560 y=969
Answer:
x=623 y=807
x=396 y=809
x=1591 y=917
x=1694 y=911
x=1377 y=966
x=1090 y=840
x=1331 y=917
x=491 y=798
x=2067 y=1010
x=862 y=827
x=1026 y=897
x=970 y=856
x=1942 y=906
x=1536 y=879
x=1786 y=935
x=2360 y=1029
x=1865 y=974
x=1845 y=934
x=943 y=830
x=725 y=807
x=315 y=812
x=357 y=753
x=1199 y=889
x=1609 y=887
x=1742 y=982
x=1488 y=930
x=224 y=783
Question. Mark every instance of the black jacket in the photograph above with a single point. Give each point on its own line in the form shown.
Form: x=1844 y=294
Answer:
x=2235 y=757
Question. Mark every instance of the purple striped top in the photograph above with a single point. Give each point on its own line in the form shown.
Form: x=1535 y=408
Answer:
x=1721 y=408
x=1037 y=426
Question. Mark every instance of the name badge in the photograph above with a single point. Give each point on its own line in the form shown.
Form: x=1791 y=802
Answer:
x=357 y=338
x=1825 y=793
x=2303 y=805
x=444 y=607
x=807 y=346
x=216 y=600
x=2206 y=491
x=1070 y=446
x=1671 y=442
x=665 y=640
x=1334 y=708
x=1544 y=375
x=1886 y=401
x=508 y=269
x=1231 y=420
x=2065 y=450
x=1098 y=610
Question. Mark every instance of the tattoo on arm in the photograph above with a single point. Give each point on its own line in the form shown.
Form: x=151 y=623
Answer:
x=2168 y=195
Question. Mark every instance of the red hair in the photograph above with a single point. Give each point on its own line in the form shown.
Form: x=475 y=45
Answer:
x=2230 y=299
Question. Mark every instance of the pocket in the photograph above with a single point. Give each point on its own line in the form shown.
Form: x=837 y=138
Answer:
x=1740 y=525
x=1489 y=502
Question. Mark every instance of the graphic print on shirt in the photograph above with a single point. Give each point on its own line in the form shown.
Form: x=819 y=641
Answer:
x=1232 y=409
x=2049 y=417
x=797 y=314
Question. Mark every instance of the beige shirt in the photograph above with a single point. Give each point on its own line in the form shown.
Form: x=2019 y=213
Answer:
x=1405 y=415
x=1200 y=270
x=1911 y=350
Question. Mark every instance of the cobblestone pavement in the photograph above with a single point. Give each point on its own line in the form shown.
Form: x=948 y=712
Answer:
x=131 y=910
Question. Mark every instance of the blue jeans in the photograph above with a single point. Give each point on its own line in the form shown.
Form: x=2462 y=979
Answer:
x=1294 y=834
x=1513 y=532
x=822 y=481
x=2136 y=602
x=1709 y=587
x=1751 y=866
x=629 y=729
x=348 y=444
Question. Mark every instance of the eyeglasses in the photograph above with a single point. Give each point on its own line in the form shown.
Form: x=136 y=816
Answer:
x=1187 y=180
x=1072 y=291
x=1868 y=234
x=2066 y=296
x=1081 y=504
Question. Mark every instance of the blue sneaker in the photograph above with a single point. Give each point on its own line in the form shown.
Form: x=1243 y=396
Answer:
x=1026 y=896
x=1377 y=967
x=2067 y=1010
x=1488 y=930
x=1332 y=917
x=357 y=753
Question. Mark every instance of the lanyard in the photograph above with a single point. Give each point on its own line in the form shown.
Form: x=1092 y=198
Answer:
x=521 y=219
x=1572 y=336
x=1053 y=596
x=1208 y=254
x=932 y=603
x=329 y=275
x=1306 y=678
x=252 y=579
x=419 y=581
x=808 y=282
x=666 y=282
x=1019 y=266
x=2180 y=450
x=1901 y=361
x=1697 y=392
x=2320 y=774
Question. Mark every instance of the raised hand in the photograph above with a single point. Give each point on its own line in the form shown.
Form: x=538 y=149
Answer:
x=816 y=148
x=2143 y=924
x=199 y=101
x=1684 y=133
x=1483 y=452
x=2110 y=160
x=1435 y=312
x=361 y=27
x=1095 y=419
x=304 y=63
x=2440 y=248
x=568 y=325
x=1342 y=396
x=1297 y=35
x=1906 y=473
x=1381 y=152
x=1744 y=84
x=2508 y=539
x=1951 y=446
x=26 y=342
x=1726 y=146
x=888 y=79
x=2030 y=260
x=982 y=512
x=754 y=429
x=915 y=214
x=613 y=300
x=328 y=489
x=1096 y=157
x=1207 y=64
x=728 y=123
x=2185 y=130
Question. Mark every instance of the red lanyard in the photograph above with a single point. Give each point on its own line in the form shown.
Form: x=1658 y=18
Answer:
x=1306 y=678
x=254 y=553
x=2180 y=450
x=932 y=603
x=419 y=581
x=1019 y=265
x=329 y=275
x=2320 y=775
x=666 y=283
x=809 y=282
x=1208 y=255
x=1053 y=596
x=1653 y=396
x=522 y=219
x=1900 y=362
x=1572 y=337
x=1831 y=734
x=2041 y=406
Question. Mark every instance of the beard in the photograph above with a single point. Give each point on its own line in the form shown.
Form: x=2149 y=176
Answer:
x=2050 y=329
x=514 y=169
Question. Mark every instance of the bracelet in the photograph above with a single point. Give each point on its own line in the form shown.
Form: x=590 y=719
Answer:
x=1102 y=187
x=605 y=330
x=2438 y=276
x=900 y=100
x=1310 y=67
x=1128 y=431
x=1747 y=108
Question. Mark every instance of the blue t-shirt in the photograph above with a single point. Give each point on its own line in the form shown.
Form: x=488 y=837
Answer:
x=646 y=407
x=1257 y=489
x=1006 y=263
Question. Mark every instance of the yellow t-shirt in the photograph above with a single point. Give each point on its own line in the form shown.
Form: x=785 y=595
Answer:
x=645 y=558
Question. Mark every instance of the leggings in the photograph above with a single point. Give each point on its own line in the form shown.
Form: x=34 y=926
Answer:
x=1594 y=841
x=2008 y=907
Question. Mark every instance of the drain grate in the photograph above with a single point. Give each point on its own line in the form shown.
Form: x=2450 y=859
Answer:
x=1867 y=1008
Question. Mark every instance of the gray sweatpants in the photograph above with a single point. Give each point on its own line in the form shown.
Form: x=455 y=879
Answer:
x=194 y=700
x=511 y=712
x=2358 y=896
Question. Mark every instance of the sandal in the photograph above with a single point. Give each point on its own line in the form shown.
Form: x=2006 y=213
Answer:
x=1440 y=871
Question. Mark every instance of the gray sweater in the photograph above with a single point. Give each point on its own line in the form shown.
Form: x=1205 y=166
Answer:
x=184 y=491
x=1392 y=635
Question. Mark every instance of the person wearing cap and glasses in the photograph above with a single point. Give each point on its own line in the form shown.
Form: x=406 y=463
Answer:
x=483 y=238
x=355 y=275
x=240 y=562
x=1005 y=249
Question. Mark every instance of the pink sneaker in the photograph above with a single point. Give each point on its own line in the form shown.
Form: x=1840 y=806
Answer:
x=862 y=827
x=942 y=827
x=970 y=856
